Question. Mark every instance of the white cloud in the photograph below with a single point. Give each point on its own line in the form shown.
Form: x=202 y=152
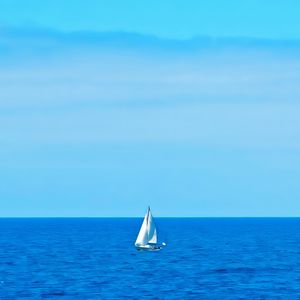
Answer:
x=86 y=89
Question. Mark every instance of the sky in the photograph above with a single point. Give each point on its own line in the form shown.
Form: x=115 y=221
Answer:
x=163 y=18
x=190 y=107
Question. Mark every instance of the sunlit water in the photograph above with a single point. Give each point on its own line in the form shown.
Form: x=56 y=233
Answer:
x=205 y=258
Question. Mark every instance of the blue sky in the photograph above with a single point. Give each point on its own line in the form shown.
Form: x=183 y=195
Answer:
x=108 y=106
x=164 y=18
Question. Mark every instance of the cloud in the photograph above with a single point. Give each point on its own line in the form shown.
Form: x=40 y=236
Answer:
x=110 y=87
x=121 y=67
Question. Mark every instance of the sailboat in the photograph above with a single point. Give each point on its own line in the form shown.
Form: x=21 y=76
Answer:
x=147 y=237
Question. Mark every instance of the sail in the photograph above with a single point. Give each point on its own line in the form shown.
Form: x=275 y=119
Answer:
x=142 y=238
x=152 y=235
x=147 y=232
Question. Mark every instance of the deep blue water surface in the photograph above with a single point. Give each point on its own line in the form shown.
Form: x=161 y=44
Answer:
x=205 y=258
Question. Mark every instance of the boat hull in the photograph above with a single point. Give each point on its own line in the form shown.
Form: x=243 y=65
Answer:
x=149 y=247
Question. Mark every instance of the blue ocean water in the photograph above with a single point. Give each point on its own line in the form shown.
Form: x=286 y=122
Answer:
x=205 y=258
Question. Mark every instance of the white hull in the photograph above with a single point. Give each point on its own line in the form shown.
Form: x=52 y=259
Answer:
x=149 y=247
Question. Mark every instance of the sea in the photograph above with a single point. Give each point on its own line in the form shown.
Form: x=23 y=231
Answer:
x=95 y=258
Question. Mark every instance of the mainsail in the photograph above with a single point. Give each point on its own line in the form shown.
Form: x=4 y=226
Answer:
x=147 y=232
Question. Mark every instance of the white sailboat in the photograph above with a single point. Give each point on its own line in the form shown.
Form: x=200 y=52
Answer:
x=147 y=237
